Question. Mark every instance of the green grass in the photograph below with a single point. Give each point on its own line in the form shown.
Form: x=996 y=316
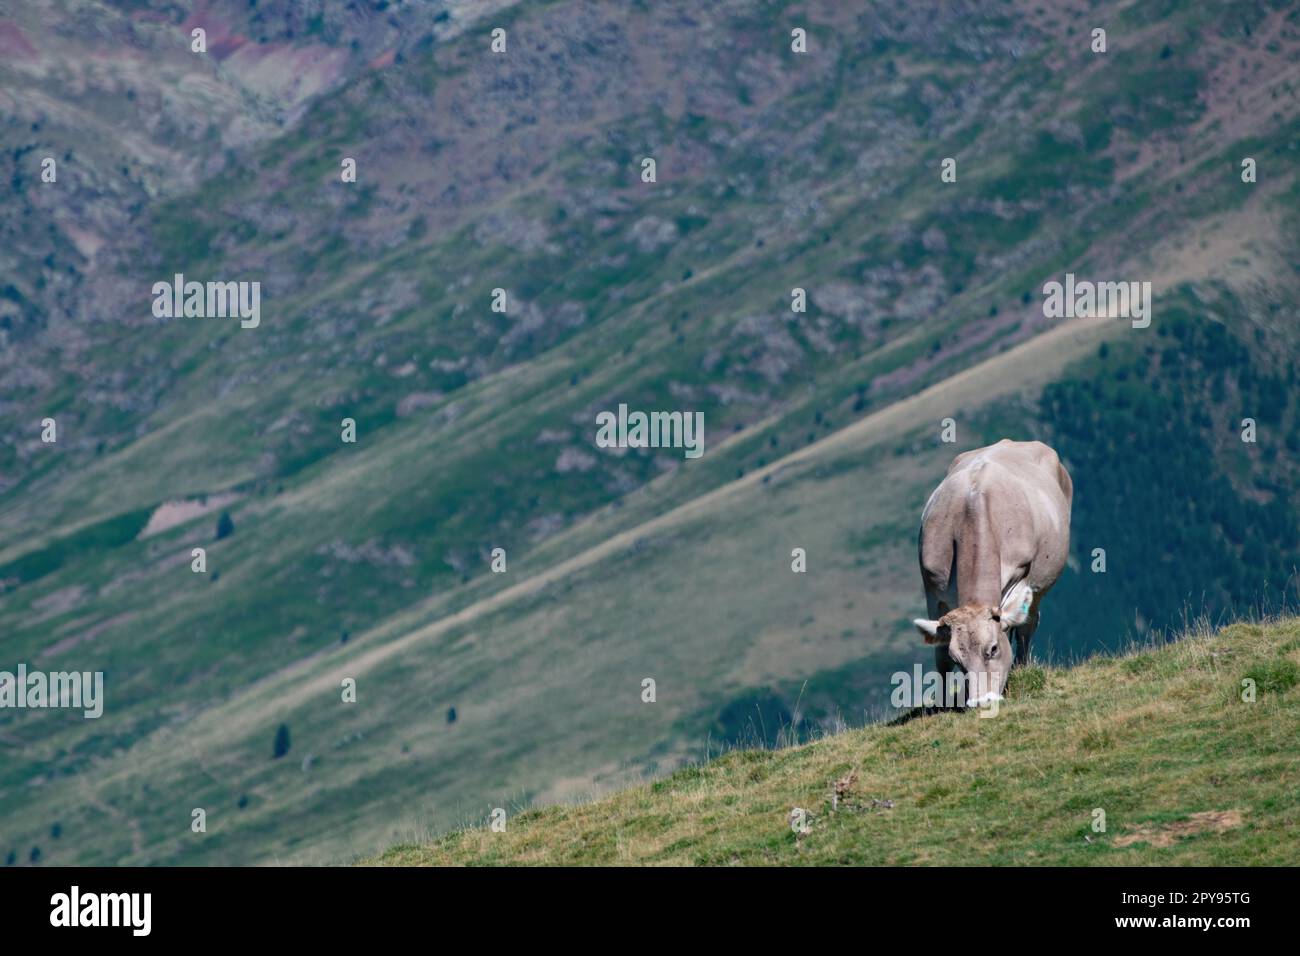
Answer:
x=1150 y=746
x=103 y=535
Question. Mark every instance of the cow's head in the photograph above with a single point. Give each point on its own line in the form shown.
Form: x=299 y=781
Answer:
x=976 y=638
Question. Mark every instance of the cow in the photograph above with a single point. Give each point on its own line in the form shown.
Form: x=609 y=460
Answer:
x=994 y=538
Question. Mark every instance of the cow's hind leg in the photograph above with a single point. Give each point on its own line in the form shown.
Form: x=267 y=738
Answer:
x=1023 y=635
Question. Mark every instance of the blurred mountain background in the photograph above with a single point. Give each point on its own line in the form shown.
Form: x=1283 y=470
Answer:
x=521 y=171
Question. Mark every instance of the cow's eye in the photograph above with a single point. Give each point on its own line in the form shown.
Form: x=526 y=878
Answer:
x=991 y=653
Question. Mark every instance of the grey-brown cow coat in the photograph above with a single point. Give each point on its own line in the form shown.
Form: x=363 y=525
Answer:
x=1001 y=517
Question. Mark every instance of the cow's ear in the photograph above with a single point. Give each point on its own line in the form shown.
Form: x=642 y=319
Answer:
x=932 y=631
x=1016 y=605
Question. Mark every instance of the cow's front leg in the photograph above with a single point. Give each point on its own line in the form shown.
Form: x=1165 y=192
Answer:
x=1022 y=647
x=943 y=661
x=945 y=665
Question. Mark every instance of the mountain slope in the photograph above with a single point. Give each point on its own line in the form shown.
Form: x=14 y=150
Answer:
x=521 y=171
x=1160 y=740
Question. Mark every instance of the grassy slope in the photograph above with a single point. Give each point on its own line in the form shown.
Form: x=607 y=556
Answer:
x=1151 y=737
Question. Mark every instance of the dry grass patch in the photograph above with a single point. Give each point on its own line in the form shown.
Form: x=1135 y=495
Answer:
x=1165 y=835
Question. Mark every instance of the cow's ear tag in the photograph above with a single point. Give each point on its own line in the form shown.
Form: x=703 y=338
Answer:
x=1016 y=605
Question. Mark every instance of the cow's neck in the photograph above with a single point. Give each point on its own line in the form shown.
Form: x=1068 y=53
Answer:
x=979 y=559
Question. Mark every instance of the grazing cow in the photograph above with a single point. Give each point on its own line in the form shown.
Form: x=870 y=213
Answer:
x=994 y=537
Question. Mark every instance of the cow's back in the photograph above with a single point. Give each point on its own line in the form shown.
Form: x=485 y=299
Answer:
x=1001 y=515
